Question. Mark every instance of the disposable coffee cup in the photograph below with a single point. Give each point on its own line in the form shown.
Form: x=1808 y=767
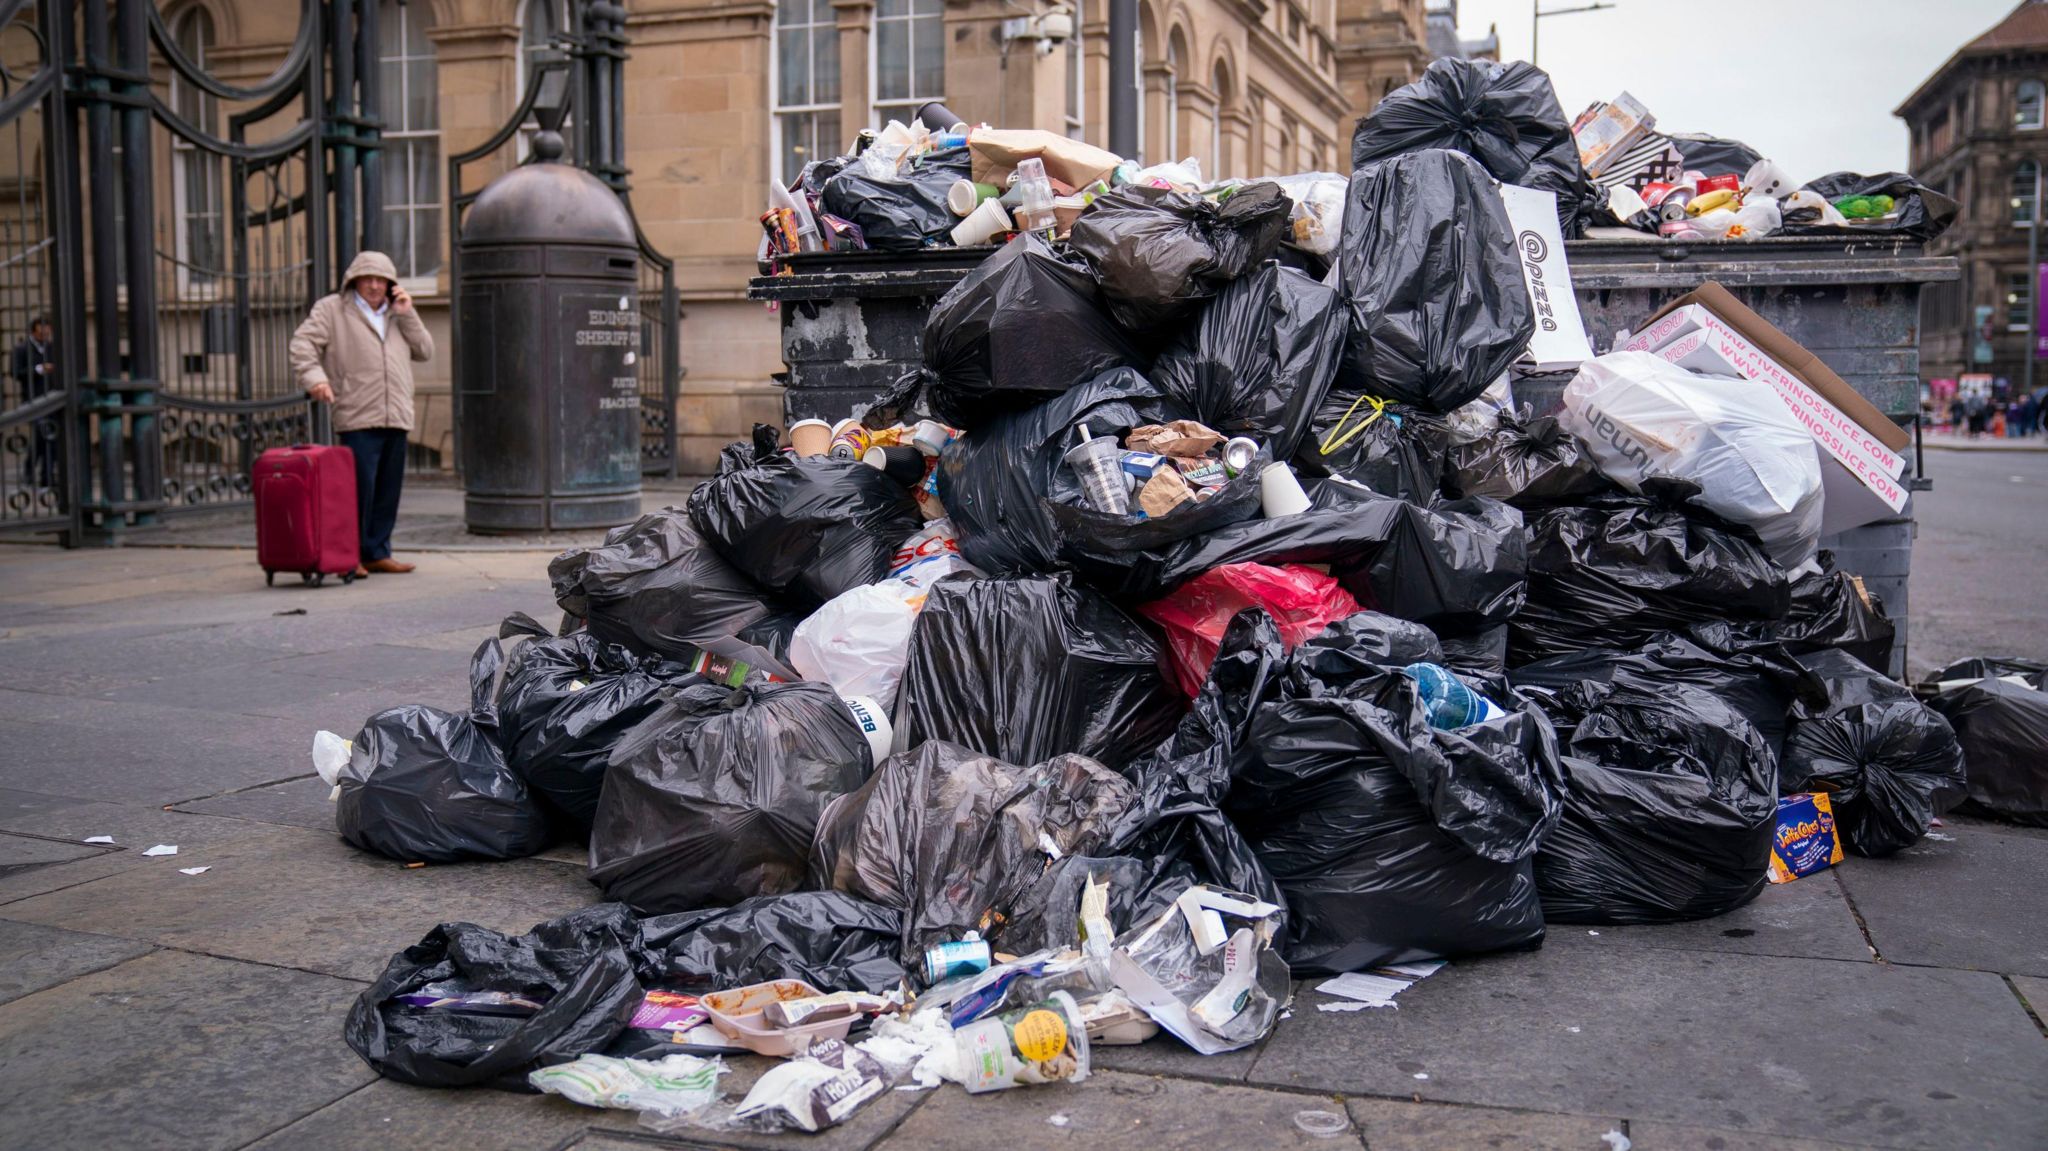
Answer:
x=1099 y=466
x=985 y=223
x=874 y=723
x=1280 y=493
x=964 y=195
x=904 y=465
x=810 y=437
x=930 y=437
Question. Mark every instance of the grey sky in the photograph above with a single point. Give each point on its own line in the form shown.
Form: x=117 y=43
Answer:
x=1811 y=85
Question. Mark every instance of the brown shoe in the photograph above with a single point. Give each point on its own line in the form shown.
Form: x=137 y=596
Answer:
x=362 y=572
x=388 y=566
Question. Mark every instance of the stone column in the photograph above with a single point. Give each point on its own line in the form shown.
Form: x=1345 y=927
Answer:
x=1238 y=158
x=856 y=86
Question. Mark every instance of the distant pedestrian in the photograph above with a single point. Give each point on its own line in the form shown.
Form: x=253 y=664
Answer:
x=1975 y=411
x=356 y=351
x=35 y=373
x=2027 y=416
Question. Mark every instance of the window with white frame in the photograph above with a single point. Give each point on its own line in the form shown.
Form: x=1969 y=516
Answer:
x=2026 y=183
x=806 y=85
x=201 y=241
x=410 y=89
x=2026 y=112
x=2016 y=299
x=1173 y=66
x=910 y=56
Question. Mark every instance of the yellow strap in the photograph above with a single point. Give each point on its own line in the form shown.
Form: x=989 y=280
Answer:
x=1334 y=440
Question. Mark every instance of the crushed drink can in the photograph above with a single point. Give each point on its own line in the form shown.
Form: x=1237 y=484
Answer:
x=960 y=957
x=1238 y=454
x=850 y=441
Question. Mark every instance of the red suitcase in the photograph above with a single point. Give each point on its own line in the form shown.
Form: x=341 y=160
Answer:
x=306 y=513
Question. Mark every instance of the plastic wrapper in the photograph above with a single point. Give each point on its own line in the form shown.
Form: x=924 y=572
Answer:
x=714 y=798
x=1432 y=281
x=2003 y=727
x=1206 y=970
x=1756 y=465
x=655 y=586
x=1020 y=329
x=1530 y=462
x=1027 y=669
x=581 y=968
x=1394 y=840
x=1506 y=116
x=1394 y=449
x=903 y=213
x=668 y=1086
x=1317 y=220
x=1259 y=359
x=1158 y=253
x=1918 y=211
x=997 y=483
x=1888 y=768
x=1301 y=600
x=859 y=641
x=954 y=838
x=1619 y=569
x=426 y=785
x=807 y=527
x=825 y=938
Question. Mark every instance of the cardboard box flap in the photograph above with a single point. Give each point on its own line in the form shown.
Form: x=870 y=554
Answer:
x=1795 y=358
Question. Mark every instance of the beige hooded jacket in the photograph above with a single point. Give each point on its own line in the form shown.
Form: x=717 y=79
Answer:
x=371 y=376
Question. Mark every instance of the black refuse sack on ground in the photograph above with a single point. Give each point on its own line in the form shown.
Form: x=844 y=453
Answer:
x=1020 y=329
x=903 y=214
x=1260 y=358
x=1890 y=768
x=564 y=701
x=954 y=838
x=1432 y=281
x=1030 y=668
x=1760 y=682
x=1620 y=568
x=2003 y=728
x=1506 y=116
x=714 y=797
x=997 y=483
x=1392 y=839
x=657 y=587
x=1158 y=253
x=830 y=940
x=580 y=968
x=1394 y=449
x=426 y=785
x=1919 y=211
x=1528 y=461
x=806 y=527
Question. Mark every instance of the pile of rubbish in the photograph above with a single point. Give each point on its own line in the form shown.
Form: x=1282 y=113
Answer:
x=1195 y=618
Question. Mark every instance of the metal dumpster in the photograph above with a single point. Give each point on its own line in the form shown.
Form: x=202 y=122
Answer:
x=851 y=324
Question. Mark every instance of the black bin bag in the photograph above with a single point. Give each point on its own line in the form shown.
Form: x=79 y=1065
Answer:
x=1393 y=449
x=1528 y=461
x=1918 y=211
x=1763 y=684
x=954 y=839
x=805 y=527
x=657 y=587
x=1020 y=329
x=1889 y=769
x=564 y=701
x=1259 y=359
x=714 y=798
x=1432 y=281
x=1506 y=116
x=1030 y=668
x=1392 y=839
x=1158 y=253
x=2003 y=728
x=580 y=968
x=905 y=213
x=828 y=939
x=426 y=785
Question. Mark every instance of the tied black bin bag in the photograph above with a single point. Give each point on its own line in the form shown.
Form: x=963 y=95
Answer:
x=828 y=939
x=2003 y=727
x=903 y=214
x=425 y=785
x=1159 y=253
x=714 y=798
x=1528 y=462
x=1019 y=330
x=1432 y=280
x=954 y=839
x=1393 y=449
x=1392 y=839
x=1259 y=359
x=1506 y=116
x=1027 y=669
x=1829 y=609
x=1918 y=212
x=1761 y=683
x=806 y=527
x=1890 y=768
x=580 y=968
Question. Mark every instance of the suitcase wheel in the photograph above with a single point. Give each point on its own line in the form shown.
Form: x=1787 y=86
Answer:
x=348 y=577
x=312 y=579
x=269 y=578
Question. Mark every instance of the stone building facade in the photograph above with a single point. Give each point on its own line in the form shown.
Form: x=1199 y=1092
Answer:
x=1979 y=133
x=724 y=95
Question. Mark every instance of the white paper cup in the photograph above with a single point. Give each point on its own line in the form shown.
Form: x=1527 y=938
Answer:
x=810 y=437
x=1280 y=493
x=982 y=225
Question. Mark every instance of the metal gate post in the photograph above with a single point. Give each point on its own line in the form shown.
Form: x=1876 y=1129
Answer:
x=66 y=277
x=131 y=25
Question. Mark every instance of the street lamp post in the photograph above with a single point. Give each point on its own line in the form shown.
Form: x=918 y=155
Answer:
x=1537 y=16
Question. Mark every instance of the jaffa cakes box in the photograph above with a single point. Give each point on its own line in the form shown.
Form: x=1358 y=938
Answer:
x=1805 y=841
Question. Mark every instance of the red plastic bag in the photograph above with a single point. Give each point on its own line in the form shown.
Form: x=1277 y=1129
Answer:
x=1302 y=600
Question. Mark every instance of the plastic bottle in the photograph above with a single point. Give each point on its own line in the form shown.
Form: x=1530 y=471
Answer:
x=1035 y=192
x=1451 y=704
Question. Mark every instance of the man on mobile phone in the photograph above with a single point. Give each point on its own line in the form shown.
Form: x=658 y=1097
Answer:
x=356 y=351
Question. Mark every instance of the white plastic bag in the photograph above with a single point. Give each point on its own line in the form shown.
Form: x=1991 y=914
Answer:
x=1758 y=218
x=859 y=641
x=330 y=755
x=1643 y=416
x=1318 y=216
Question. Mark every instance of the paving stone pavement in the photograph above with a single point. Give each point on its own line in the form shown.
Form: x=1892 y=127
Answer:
x=164 y=695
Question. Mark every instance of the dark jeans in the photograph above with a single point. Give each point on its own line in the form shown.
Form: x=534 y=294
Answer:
x=380 y=473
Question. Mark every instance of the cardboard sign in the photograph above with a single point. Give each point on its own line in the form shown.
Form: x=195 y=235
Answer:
x=1560 y=338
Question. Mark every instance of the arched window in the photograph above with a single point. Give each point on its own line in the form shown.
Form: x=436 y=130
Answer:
x=2026 y=183
x=2026 y=112
x=1219 y=78
x=1077 y=88
x=409 y=88
x=910 y=56
x=200 y=244
x=806 y=85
